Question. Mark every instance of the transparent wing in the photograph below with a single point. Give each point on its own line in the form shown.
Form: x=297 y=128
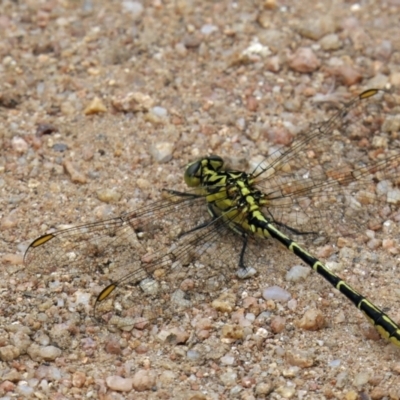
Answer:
x=328 y=178
x=163 y=258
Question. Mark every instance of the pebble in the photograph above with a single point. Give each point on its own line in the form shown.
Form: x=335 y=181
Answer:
x=49 y=373
x=143 y=380
x=361 y=379
x=112 y=346
x=304 y=60
x=119 y=383
x=222 y=306
x=21 y=340
x=263 y=388
x=12 y=375
x=75 y=175
x=278 y=324
x=312 y=320
x=208 y=29
x=193 y=355
x=159 y=112
x=316 y=28
x=228 y=359
x=351 y=395
x=166 y=377
x=330 y=42
x=40 y=353
x=297 y=273
x=109 y=195
x=228 y=378
x=78 y=379
x=162 y=151
x=133 y=102
x=96 y=106
x=60 y=147
x=393 y=196
x=19 y=144
x=7 y=386
x=276 y=293
x=9 y=353
x=233 y=332
x=287 y=392
x=299 y=358
x=348 y=74
x=334 y=363
x=133 y=7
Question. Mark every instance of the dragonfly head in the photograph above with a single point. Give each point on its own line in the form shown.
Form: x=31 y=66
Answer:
x=195 y=170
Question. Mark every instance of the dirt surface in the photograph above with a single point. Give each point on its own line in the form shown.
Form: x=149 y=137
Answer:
x=102 y=104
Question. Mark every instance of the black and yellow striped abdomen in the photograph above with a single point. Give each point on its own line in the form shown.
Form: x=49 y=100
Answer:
x=235 y=200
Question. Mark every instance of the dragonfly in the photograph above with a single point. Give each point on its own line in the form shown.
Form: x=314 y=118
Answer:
x=181 y=250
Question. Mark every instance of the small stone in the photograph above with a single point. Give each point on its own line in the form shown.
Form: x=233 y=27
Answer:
x=19 y=144
x=297 y=273
x=12 y=375
x=233 y=332
x=348 y=75
x=75 y=175
x=228 y=378
x=159 y=112
x=7 y=386
x=162 y=151
x=143 y=380
x=78 y=379
x=133 y=102
x=119 y=383
x=113 y=347
x=351 y=395
x=316 y=28
x=287 y=392
x=276 y=293
x=96 y=106
x=278 y=324
x=330 y=42
x=312 y=320
x=299 y=358
x=378 y=393
x=46 y=353
x=60 y=147
x=222 y=306
x=178 y=336
x=263 y=388
x=361 y=379
x=273 y=64
x=109 y=195
x=49 y=353
x=21 y=340
x=304 y=60
x=9 y=353
x=134 y=7
x=228 y=359
x=208 y=29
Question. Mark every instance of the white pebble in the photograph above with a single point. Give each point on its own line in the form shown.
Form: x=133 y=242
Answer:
x=297 y=273
x=162 y=151
x=208 y=29
x=276 y=293
x=133 y=7
x=118 y=383
x=19 y=144
x=159 y=111
x=228 y=359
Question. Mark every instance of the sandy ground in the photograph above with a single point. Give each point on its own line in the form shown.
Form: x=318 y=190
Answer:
x=102 y=104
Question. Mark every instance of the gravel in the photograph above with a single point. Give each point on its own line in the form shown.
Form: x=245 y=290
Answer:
x=102 y=104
